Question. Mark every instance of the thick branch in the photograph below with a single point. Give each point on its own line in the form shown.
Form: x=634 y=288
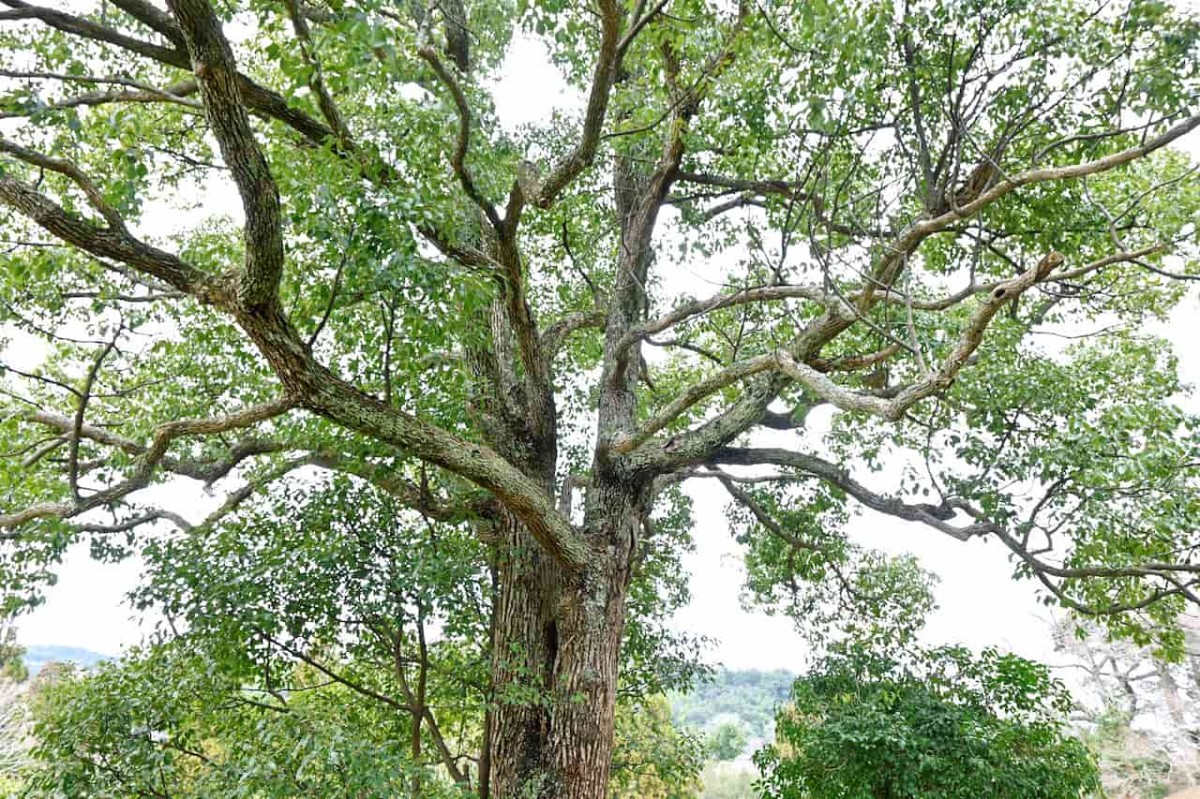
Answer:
x=690 y=396
x=110 y=243
x=603 y=78
x=936 y=516
x=313 y=385
x=155 y=19
x=216 y=72
x=458 y=159
x=78 y=26
x=939 y=517
x=71 y=171
x=331 y=397
x=262 y=101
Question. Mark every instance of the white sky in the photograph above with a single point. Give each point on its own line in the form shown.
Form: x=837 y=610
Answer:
x=979 y=604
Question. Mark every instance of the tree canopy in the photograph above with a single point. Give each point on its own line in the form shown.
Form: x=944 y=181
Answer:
x=447 y=377
x=939 y=724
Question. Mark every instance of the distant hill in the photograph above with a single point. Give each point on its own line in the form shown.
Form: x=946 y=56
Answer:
x=749 y=696
x=38 y=656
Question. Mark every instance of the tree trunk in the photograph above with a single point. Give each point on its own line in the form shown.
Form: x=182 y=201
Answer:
x=555 y=662
x=557 y=645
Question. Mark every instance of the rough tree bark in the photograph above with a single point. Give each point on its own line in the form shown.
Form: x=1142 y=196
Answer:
x=555 y=672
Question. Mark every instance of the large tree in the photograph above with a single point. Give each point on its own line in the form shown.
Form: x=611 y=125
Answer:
x=505 y=330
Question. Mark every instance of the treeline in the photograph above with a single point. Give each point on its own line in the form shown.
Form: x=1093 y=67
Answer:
x=750 y=696
x=37 y=656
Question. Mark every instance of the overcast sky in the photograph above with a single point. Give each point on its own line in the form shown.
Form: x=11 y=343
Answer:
x=979 y=603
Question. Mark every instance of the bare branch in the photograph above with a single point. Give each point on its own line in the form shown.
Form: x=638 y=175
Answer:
x=695 y=308
x=316 y=80
x=136 y=91
x=149 y=459
x=792 y=190
x=85 y=394
x=695 y=392
x=940 y=517
x=134 y=522
x=1063 y=275
x=263 y=102
x=207 y=471
x=408 y=493
x=936 y=516
x=556 y=334
x=902 y=247
x=938 y=380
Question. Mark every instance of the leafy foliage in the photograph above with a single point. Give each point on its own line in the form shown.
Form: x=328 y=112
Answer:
x=943 y=723
x=169 y=720
x=652 y=757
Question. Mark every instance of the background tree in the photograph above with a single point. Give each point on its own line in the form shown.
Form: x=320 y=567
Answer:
x=1140 y=712
x=727 y=741
x=749 y=697
x=726 y=783
x=491 y=327
x=943 y=724
x=652 y=757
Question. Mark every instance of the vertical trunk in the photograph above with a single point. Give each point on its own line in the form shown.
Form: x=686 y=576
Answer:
x=558 y=636
x=555 y=675
x=555 y=664
x=485 y=753
x=523 y=653
x=580 y=740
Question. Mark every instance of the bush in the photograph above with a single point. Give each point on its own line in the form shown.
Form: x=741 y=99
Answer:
x=942 y=725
